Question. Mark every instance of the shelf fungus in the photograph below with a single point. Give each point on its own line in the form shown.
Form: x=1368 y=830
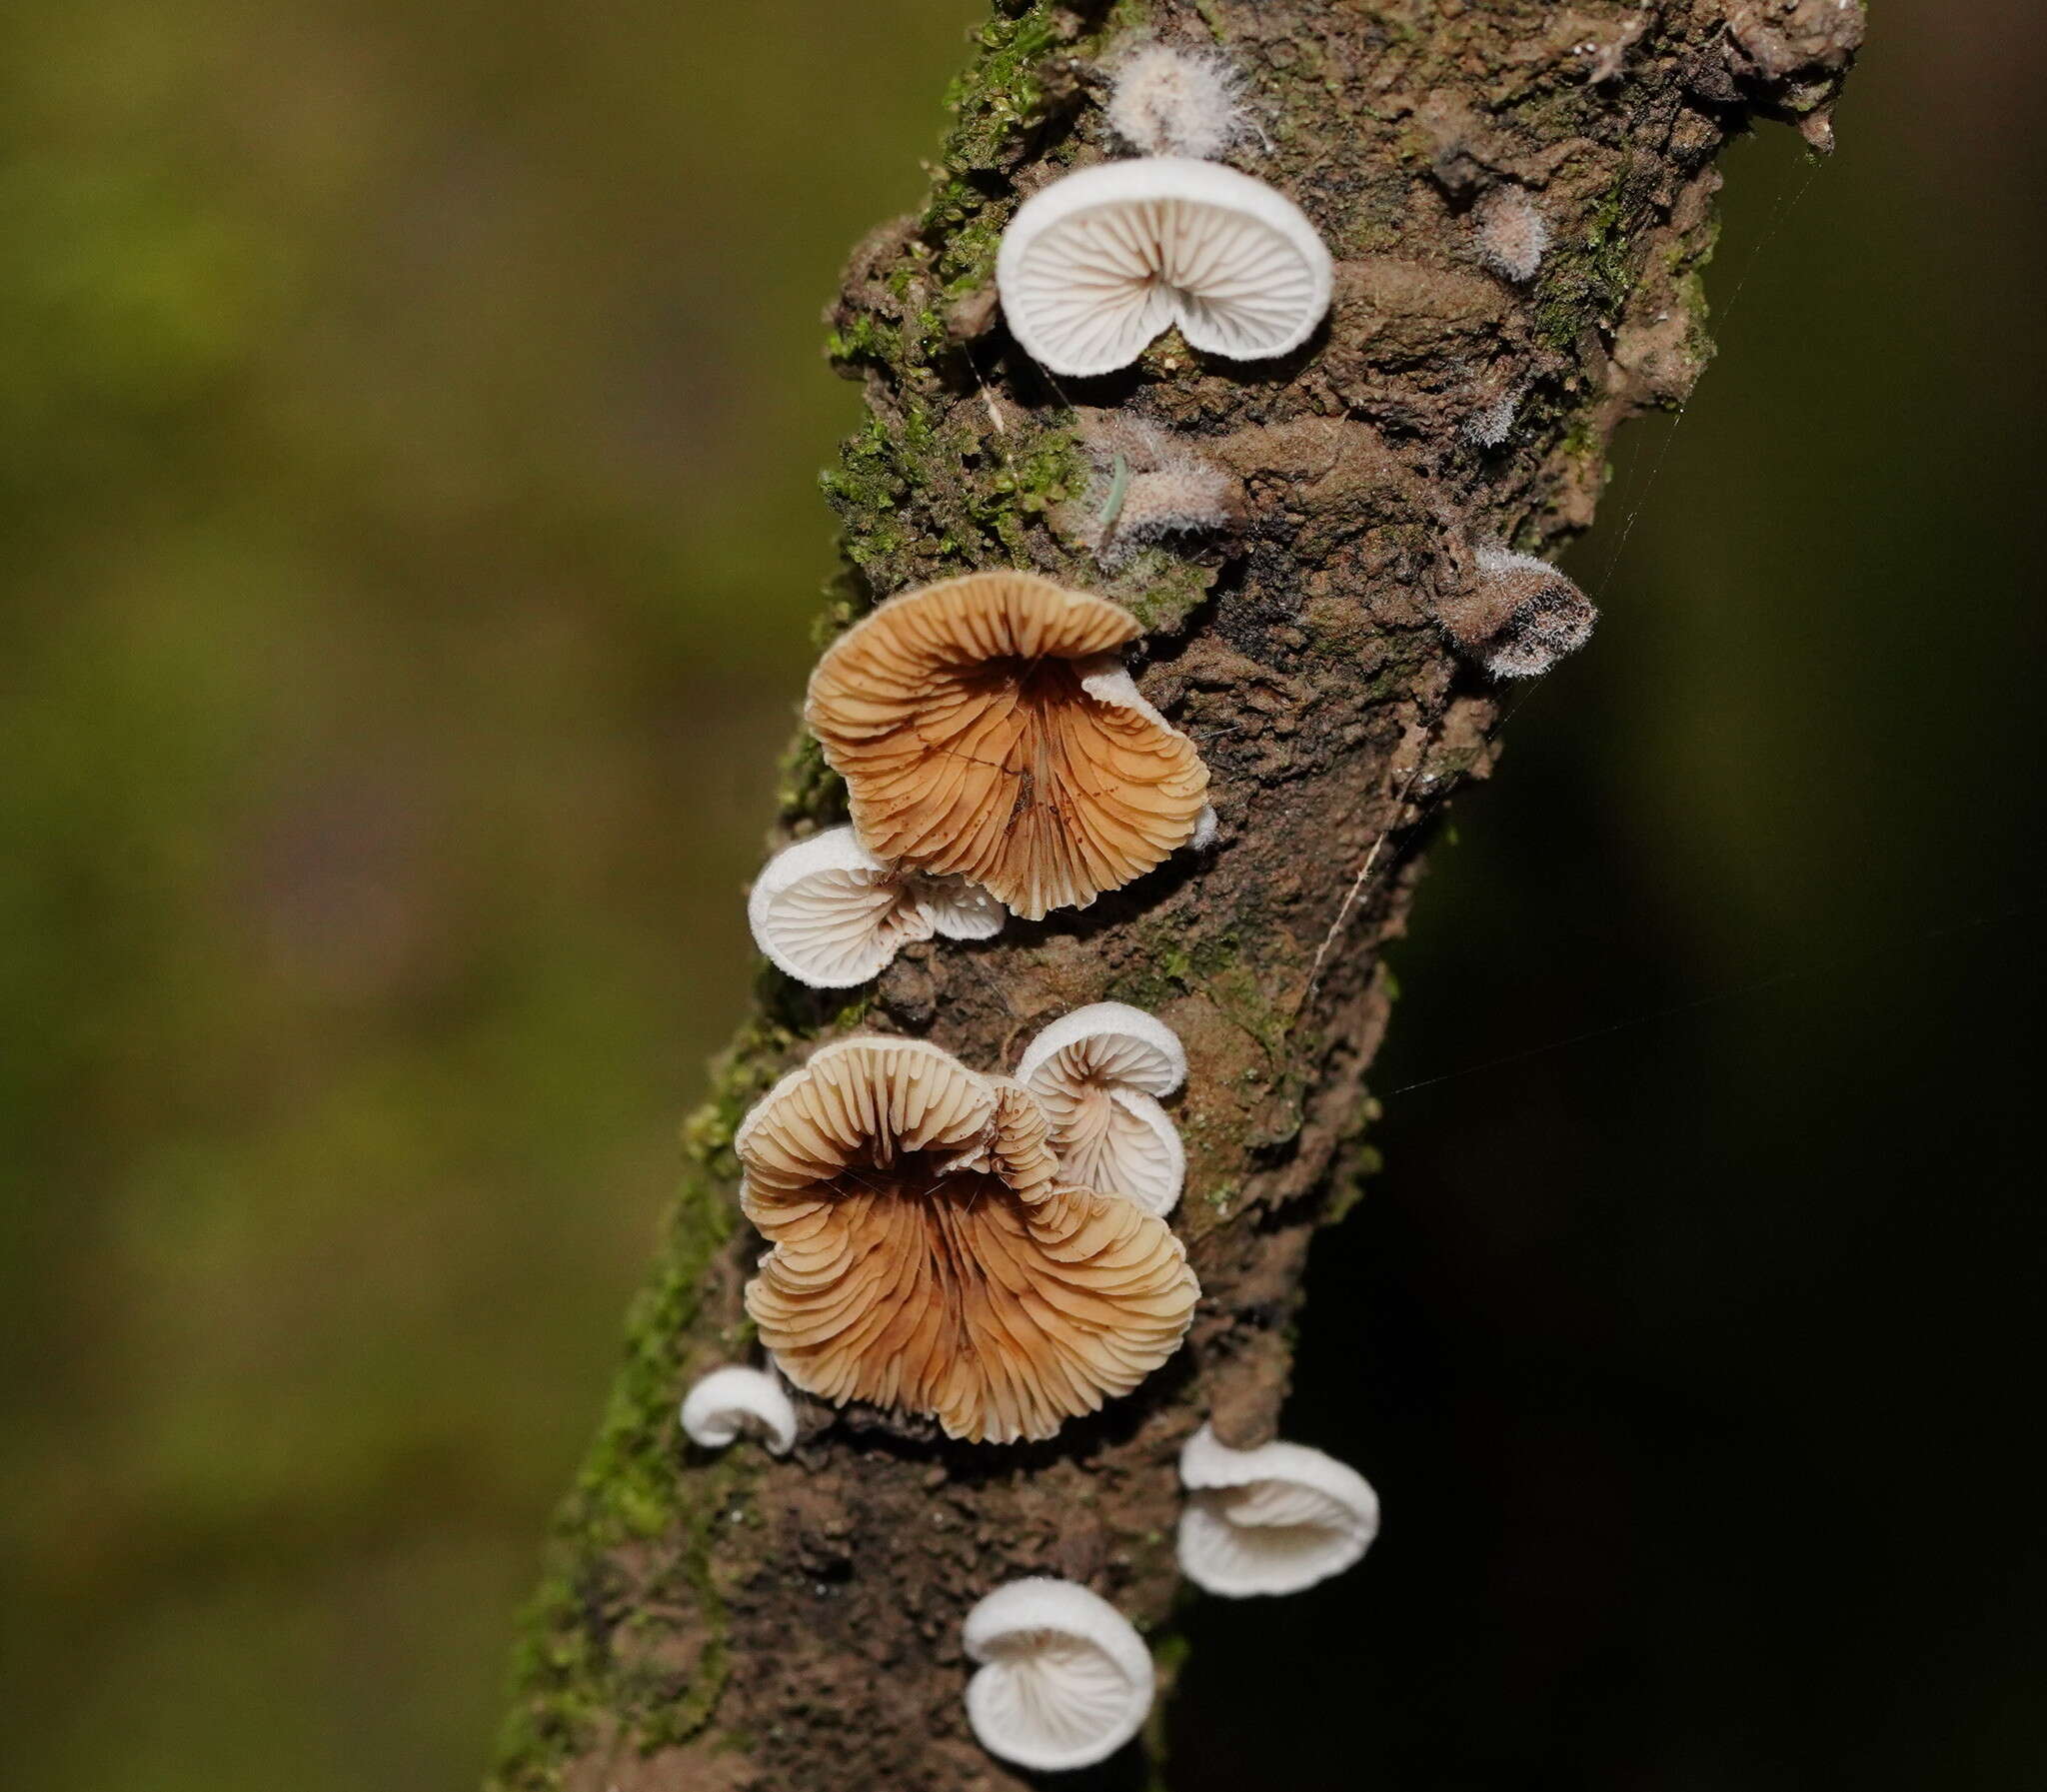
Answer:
x=987 y=729
x=1064 y=1680
x=734 y=1402
x=1269 y=1520
x=1097 y=1074
x=1093 y=267
x=929 y=1257
x=1518 y=616
x=832 y=914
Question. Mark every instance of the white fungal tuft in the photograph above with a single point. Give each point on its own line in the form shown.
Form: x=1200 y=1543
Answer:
x=1147 y=487
x=1518 y=616
x=1513 y=235
x=1492 y=423
x=1171 y=102
x=1188 y=496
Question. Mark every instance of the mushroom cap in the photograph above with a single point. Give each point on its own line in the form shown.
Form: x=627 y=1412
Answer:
x=1271 y=1520
x=986 y=731
x=830 y=914
x=1096 y=265
x=927 y=1255
x=1112 y=1042
x=1065 y=1679
x=1095 y=1072
x=731 y=1402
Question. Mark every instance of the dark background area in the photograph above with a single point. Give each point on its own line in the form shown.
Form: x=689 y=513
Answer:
x=408 y=418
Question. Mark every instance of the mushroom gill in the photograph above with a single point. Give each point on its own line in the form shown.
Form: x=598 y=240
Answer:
x=925 y=1256
x=985 y=728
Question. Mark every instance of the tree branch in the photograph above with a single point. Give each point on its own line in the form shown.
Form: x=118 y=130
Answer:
x=739 y=1622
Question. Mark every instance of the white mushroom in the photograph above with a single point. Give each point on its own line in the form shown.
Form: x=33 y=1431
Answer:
x=832 y=914
x=1065 y=1679
x=1269 y=1520
x=733 y=1403
x=1096 y=1074
x=1095 y=266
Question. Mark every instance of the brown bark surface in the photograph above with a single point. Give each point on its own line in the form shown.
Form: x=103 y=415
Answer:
x=738 y=1622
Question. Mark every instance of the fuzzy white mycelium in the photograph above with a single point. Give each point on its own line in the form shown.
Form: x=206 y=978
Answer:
x=1167 y=101
x=1513 y=235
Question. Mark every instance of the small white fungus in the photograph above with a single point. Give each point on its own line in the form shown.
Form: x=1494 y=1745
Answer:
x=1064 y=1681
x=733 y=1403
x=832 y=914
x=1271 y=1520
x=1095 y=266
x=1097 y=1074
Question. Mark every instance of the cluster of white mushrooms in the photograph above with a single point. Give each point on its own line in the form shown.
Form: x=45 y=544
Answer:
x=992 y=1252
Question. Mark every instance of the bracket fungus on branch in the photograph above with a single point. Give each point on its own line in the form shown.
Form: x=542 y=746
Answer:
x=987 y=729
x=1147 y=485
x=732 y=1402
x=832 y=914
x=1064 y=1680
x=928 y=1257
x=1097 y=1074
x=1271 y=1520
x=1518 y=616
x=1093 y=267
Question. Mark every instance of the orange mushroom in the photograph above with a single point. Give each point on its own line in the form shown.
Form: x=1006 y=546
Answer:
x=927 y=1259
x=986 y=729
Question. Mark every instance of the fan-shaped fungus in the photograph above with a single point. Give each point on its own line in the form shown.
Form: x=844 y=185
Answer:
x=1269 y=1520
x=1095 y=1072
x=1066 y=1680
x=1096 y=265
x=1518 y=616
x=832 y=914
x=733 y=1403
x=928 y=1257
x=987 y=729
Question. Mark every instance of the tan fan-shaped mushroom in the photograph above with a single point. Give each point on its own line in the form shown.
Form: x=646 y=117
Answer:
x=928 y=1258
x=987 y=729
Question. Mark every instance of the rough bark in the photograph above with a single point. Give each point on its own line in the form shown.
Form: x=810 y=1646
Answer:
x=732 y=1621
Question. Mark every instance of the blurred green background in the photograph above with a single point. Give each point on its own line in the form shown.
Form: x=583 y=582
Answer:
x=408 y=421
